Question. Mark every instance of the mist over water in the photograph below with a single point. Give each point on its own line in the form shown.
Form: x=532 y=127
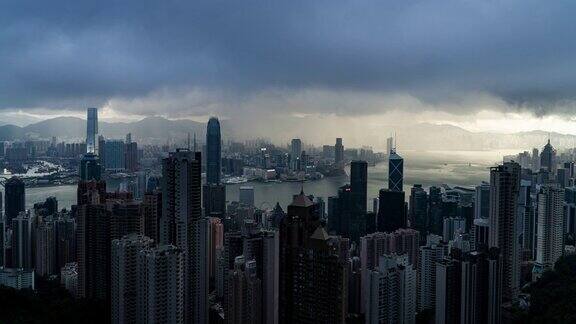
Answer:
x=428 y=168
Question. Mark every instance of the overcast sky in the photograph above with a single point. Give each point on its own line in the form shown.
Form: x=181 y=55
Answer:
x=502 y=65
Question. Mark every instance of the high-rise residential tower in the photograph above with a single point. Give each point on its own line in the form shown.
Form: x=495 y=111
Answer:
x=550 y=243
x=182 y=225
x=92 y=131
x=504 y=191
x=295 y=152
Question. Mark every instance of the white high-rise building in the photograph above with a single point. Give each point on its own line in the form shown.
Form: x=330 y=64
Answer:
x=92 y=131
x=550 y=228
x=161 y=298
x=124 y=277
x=392 y=291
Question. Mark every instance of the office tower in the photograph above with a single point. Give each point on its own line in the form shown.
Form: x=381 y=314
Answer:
x=213 y=151
x=125 y=218
x=131 y=156
x=550 y=243
x=14 y=197
x=93 y=251
x=214 y=200
x=162 y=299
x=435 y=213
x=392 y=210
x=432 y=252
x=345 y=216
x=69 y=278
x=359 y=185
x=395 y=171
x=91 y=131
x=482 y=201
x=46 y=263
x=375 y=204
x=504 y=190
x=548 y=158
x=22 y=241
x=452 y=227
x=124 y=277
x=101 y=151
x=389 y=145
x=182 y=225
x=391 y=291
x=311 y=271
x=244 y=298
x=246 y=195
x=418 y=213
x=152 y=211
x=339 y=153
x=295 y=152
x=115 y=157
x=90 y=168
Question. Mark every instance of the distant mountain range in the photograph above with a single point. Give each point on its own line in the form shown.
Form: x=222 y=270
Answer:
x=415 y=137
x=70 y=128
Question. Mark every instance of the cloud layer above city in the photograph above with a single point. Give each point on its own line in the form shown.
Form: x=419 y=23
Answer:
x=195 y=58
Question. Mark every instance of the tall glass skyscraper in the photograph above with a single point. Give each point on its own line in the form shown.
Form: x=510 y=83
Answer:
x=91 y=130
x=213 y=151
x=395 y=171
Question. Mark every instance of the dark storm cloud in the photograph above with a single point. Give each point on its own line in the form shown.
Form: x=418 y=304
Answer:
x=65 y=53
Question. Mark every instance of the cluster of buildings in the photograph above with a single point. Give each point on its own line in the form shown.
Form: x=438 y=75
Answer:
x=181 y=252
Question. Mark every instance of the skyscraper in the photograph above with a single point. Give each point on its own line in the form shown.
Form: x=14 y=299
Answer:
x=419 y=209
x=92 y=131
x=339 y=153
x=295 y=152
x=359 y=185
x=504 y=190
x=213 y=151
x=395 y=171
x=550 y=243
x=548 y=158
x=124 y=277
x=14 y=197
x=115 y=155
x=244 y=297
x=90 y=168
x=246 y=195
x=93 y=251
x=182 y=225
x=391 y=291
x=392 y=210
x=22 y=241
x=431 y=253
x=162 y=299
x=311 y=270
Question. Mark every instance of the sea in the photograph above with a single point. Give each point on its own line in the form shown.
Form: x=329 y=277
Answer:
x=428 y=168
